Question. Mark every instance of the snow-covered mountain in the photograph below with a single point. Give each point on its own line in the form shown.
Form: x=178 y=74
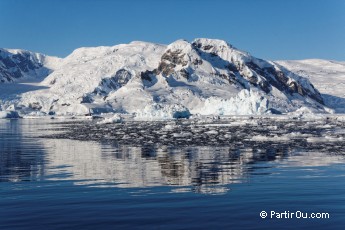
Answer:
x=206 y=76
x=327 y=76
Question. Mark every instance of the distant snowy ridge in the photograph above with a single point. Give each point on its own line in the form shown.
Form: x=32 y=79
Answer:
x=147 y=80
x=327 y=76
x=18 y=64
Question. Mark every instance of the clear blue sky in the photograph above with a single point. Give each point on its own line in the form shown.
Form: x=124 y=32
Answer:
x=270 y=29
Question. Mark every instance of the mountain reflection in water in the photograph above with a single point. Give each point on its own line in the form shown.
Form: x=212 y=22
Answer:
x=186 y=169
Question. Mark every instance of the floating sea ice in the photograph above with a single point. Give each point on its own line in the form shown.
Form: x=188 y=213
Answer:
x=325 y=139
x=114 y=119
x=169 y=127
x=269 y=138
x=186 y=134
x=227 y=136
x=212 y=132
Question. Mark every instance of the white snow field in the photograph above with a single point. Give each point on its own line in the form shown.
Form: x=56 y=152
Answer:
x=153 y=81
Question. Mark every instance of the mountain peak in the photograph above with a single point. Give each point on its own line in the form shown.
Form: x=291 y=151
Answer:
x=210 y=43
x=180 y=44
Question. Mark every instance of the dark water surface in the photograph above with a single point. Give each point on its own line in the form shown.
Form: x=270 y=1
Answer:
x=71 y=184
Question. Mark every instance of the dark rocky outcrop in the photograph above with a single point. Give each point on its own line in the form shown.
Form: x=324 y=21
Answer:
x=169 y=60
x=17 y=65
x=146 y=75
x=120 y=78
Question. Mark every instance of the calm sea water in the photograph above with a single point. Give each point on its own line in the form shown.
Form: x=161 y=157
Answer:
x=68 y=184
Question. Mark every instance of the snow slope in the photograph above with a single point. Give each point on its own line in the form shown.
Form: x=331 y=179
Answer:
x=206 y=76
x=327 y=76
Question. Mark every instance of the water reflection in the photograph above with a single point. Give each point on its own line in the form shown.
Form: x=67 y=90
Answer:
x=197 y=169
x=141 y=167
x=21 y=158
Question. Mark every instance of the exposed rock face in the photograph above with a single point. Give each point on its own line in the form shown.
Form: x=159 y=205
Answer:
x=169 y=60
x=115 y=82
x=16 y=64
